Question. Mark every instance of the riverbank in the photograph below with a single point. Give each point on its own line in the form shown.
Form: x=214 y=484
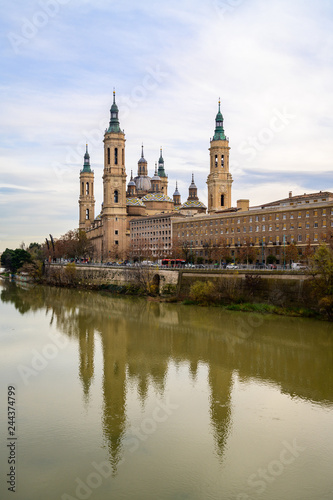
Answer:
x=253 y=292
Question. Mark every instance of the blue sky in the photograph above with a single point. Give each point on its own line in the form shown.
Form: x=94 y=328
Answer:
x=270 y=62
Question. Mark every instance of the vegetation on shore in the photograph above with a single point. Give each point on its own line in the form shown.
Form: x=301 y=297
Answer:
x=219 y=292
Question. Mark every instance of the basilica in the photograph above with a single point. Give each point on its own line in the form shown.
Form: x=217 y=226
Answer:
x=144 y=195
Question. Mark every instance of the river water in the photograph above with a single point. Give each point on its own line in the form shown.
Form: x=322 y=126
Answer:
x=123 y=398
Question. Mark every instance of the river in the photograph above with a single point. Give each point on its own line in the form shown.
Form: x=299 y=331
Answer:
x=123 y=398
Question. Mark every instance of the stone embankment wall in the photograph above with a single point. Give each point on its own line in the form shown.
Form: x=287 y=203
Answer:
x=103 y=275
x=277 y=288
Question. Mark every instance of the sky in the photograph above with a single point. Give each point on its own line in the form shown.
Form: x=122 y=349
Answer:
x=270 y=63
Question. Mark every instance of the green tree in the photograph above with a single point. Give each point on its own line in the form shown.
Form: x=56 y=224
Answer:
x=13 y=260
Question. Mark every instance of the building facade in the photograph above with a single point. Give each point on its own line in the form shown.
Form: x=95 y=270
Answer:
x=263 y=230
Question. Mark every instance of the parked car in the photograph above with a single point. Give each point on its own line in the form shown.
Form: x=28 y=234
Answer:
x=297 y=266
x=231 y=266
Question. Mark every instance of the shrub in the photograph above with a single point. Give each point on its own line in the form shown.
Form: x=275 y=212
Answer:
x=203 y=292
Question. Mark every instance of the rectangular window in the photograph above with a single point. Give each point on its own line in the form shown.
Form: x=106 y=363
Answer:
x=263 y=228
x=277 y=217
x=116 y=231
x=270 y=227
x=299 y=237
x=291 y=216
x=324 y=212
x=284 y=216
x=315 y=213
x=284 y=227
x=257 y=218
x=299 y=225
x=250 y=229
x=315 y=238
x=307 y=214
x=299 y=215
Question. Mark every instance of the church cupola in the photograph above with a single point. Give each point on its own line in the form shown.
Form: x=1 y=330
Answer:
x=131 y=187
x=219 y=131
x=114 y=120
x=161 y=171
x=142 y=164
x=86 y=163
x=176 y=197
x=156 y=181
x=193 y=190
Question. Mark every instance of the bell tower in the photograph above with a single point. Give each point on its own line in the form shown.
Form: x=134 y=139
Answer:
x=86 y=199
x=219 y=179
x=114 y=189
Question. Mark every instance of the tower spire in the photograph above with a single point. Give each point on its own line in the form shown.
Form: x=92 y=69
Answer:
x=161 y=171
x=114 y=120
x=86 y=162
x=219 y=131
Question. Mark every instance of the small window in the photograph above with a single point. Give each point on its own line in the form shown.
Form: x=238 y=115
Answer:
x=116 y=242
x=116 y=156
x=222 y=161
x=116 y=231
x=116 y=197
x=109 y=157
x=216 y=161
x=222 y=200
x=87 y=214
x=87 y=188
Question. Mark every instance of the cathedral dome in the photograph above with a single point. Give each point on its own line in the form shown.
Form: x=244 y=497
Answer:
x=143 y=183
x=193 y=204
x=156 y=197
x=134 y=202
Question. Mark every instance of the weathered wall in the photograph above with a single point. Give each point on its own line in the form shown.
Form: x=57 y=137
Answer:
x=278 y=289
x=99 y=275
x=272 y=287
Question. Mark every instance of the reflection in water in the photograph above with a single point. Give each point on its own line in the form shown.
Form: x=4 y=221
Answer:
x=139 y=340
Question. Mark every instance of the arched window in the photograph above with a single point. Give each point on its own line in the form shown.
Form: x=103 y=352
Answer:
x=82 y=188
x=87 y=188
x=108 y=156
x=222 y=161
x=116 y=196
x=116 y=156
x=87 y=214
x=222 y=200
x=215 y=160
x=123 y=156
